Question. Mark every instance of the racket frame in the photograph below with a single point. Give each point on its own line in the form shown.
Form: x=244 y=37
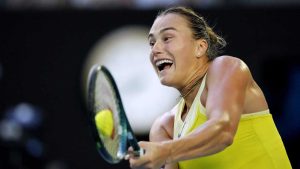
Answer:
x=125 y=132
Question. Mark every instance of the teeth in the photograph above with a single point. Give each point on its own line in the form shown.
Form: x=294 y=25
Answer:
x=160 y=62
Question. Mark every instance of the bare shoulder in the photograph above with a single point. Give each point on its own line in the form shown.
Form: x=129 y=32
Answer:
x=162 y=128
x=229 y=62
x=229 y=67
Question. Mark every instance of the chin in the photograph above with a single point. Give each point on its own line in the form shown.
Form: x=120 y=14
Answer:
x=166 y=82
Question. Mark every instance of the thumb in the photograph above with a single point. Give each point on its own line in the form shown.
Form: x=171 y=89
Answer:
x=144 y=144
x=145 y=147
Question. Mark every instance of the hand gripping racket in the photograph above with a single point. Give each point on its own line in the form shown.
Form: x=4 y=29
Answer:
x=110 y=127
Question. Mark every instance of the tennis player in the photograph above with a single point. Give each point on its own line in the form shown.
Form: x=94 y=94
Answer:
x=222 y=120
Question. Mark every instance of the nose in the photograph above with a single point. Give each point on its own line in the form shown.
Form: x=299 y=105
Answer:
x=156 y=48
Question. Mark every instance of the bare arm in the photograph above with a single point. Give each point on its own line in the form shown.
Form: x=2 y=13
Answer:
x=227 y=81
x=155 y=151
x=162 y=130
x=226 y=85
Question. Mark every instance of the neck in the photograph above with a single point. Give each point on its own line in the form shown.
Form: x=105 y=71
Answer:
x=190 y=87
x=189 y=92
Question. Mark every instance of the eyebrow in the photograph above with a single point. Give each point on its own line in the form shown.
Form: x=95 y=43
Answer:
x=163 y=30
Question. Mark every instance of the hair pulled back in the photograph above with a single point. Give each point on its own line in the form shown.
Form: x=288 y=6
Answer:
x=200 y=29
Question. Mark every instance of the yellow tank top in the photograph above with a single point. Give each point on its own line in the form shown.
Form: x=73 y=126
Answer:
x=257 y=143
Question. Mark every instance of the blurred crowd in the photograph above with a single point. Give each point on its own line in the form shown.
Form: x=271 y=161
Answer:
x=137 y=4
x=21 y=139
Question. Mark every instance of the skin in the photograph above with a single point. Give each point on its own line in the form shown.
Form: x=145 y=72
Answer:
x=229 y=92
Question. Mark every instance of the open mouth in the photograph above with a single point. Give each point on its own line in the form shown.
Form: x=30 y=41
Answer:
x=163 y=64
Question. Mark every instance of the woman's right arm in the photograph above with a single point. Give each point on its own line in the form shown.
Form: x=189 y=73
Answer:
x=162 y=130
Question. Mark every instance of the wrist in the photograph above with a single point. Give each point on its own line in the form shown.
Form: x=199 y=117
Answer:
x=168 y=148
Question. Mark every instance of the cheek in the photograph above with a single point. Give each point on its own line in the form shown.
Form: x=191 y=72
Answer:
x=181 y=52
x=151 y=57
x=180 y=46
x=151 y=62
x=184 y=59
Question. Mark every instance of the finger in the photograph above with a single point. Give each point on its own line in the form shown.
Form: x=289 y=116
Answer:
x=137 y=162
x=128 y=154
x=130 y=149
x=143 y=144
x=131 y=153
x=136 y=154
x=127 y=157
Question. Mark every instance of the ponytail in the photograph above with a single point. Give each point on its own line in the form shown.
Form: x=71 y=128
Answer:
x=216 y=43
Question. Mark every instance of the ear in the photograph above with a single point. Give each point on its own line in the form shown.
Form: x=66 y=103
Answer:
x=201 y=47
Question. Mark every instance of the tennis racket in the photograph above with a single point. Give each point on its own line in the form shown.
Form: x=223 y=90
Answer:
x=109 y=125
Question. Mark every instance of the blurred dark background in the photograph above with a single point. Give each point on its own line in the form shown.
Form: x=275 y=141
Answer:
x=43 y=45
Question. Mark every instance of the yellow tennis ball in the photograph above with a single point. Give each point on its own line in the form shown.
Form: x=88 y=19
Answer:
x=105 y=123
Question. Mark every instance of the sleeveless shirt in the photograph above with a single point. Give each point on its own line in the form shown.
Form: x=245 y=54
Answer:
x=257 y=143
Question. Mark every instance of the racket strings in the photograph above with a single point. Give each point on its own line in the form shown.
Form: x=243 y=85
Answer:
x=105 y=99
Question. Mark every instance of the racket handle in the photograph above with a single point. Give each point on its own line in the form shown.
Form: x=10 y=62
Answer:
x=137 y=153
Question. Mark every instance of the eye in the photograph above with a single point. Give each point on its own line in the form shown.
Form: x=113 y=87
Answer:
x=151 y=43
x=167 y=38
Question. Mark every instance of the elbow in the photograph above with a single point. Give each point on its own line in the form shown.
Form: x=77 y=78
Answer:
x=226 y=134
x=227 y=139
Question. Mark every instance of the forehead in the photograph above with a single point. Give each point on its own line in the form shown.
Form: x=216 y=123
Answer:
x=169 y=21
